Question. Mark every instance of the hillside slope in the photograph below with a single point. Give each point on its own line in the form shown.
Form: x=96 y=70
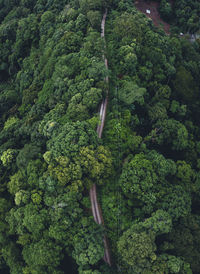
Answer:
x=146 y=166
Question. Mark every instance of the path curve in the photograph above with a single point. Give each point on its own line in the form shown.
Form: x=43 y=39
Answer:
x=96 y=210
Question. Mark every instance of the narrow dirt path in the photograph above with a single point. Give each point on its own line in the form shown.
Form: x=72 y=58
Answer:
x=96 y=210
x=104 y=103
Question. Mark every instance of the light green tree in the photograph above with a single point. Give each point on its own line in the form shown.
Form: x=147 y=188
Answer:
x=129 y=92
x=8 y=156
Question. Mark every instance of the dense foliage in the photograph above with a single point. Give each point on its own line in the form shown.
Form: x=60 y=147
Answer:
x=147 y=164
x=183 y=14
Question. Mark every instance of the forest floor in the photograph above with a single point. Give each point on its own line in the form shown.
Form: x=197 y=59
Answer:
x=142 y=6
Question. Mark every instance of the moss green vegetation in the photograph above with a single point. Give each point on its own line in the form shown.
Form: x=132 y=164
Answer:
x=147 y=164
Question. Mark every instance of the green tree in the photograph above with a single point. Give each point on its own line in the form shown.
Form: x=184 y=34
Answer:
x=10 y=122
x=65 y=214
x=128 y=59
x=129 y=92
x=94 y=18
x=29 y=152
x=71 y=137
x=157 y=112
x=184 y=238
x=159 y=223
x=88 y=245
x=96 y=164
x=8 y=157
x=176 y=201
x=165 y=9
x=12 y=256
x=173 y=133
x=178 y=109
x=185 y=86
x=35 y=220
x=143 y=178
x=128 y=26
x=137 y=249
x=44 y=254
x=185 y=174
x=170 y=264
x=16 y=183
x=92 y=98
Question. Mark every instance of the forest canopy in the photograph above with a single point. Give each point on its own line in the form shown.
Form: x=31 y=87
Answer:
x=146 y=166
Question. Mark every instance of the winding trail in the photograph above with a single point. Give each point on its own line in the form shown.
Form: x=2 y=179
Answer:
x=96 y=210
x=104 y=103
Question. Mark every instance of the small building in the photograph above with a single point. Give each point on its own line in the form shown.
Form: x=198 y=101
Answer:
x=148 y=11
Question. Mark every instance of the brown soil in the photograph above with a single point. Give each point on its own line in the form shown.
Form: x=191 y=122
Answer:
x=142 y=6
